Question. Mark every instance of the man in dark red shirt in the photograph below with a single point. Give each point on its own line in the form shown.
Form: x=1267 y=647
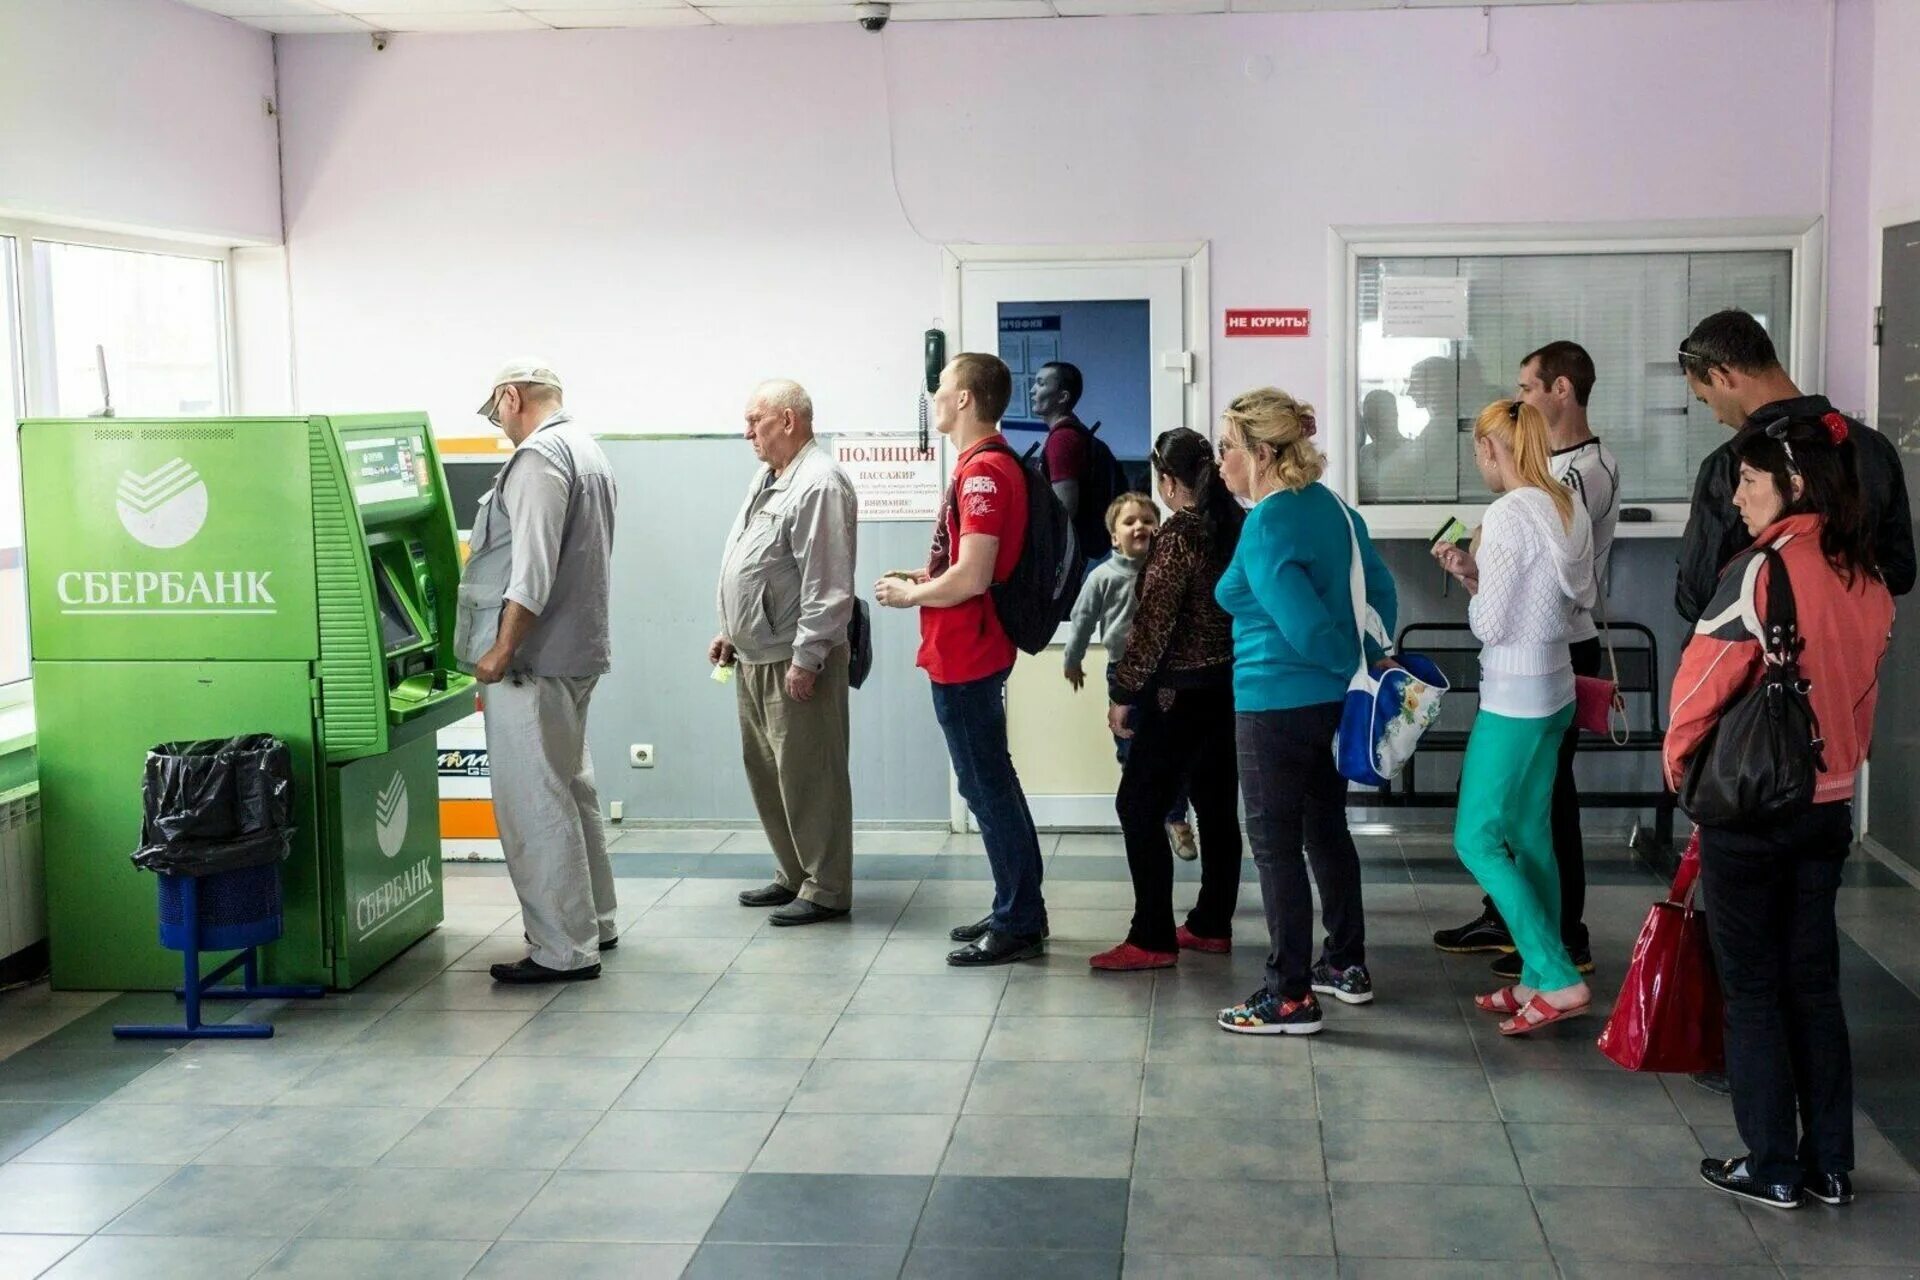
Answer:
x=966 y=652
x=1056 y=391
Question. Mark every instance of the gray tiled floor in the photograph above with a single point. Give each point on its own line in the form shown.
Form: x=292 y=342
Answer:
x=733 y=1102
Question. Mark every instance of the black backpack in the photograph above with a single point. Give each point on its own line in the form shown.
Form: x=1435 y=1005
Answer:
x=1039 y=594
x=1104 y=480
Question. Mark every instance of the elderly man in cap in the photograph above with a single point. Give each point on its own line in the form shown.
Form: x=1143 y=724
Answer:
x=785 y=602
x=533 y=630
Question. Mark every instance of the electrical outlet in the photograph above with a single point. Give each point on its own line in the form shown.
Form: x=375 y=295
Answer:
x=616 y=810
x=640 y=755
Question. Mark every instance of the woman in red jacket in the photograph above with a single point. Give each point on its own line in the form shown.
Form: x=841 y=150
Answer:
x=1770 y=889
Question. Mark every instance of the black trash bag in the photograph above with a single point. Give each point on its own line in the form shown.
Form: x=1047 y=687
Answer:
x=216 y=805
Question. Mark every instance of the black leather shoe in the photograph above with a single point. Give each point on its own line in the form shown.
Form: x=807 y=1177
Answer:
x=804 y=912
x=1734 y=1177
x=978 y=930
x=528 y=972
x=1830 y=1188
x=774 y=895
x=997 y=948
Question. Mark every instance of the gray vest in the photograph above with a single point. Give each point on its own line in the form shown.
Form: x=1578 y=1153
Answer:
x=571 y=637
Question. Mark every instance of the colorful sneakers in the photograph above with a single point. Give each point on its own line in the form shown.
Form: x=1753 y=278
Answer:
x=1127 y=958
x=1265 y=1014
x=1191 y=941
x=1352 y=985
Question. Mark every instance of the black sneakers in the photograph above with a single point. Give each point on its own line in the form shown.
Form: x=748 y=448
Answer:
x=1352 y=985
x=1485 y=932
x=1508 y=966
x=1735 y=1177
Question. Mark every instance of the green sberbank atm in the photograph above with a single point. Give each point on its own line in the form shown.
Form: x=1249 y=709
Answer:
x=210 y=577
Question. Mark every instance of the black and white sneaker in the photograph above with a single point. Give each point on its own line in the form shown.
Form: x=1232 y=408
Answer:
x=1735 y=1177
x=1485 y=932
x=1352 y=985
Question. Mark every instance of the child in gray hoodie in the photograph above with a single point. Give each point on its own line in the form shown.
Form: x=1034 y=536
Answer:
x=1107 y=599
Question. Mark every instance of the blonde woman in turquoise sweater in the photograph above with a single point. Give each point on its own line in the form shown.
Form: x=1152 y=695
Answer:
x=1289 y=589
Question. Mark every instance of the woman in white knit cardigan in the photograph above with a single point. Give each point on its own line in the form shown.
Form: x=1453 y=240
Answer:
x=1532 y=568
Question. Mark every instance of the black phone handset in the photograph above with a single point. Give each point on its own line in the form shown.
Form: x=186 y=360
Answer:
x=935 y=359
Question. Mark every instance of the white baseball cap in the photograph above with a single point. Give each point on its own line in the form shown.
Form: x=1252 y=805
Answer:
x=520 y=371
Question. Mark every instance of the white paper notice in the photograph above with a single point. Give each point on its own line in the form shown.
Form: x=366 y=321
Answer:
x=1423 y=307
x=895 y=478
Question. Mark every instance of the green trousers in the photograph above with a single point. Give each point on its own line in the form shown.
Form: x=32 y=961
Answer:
x=1504 y=835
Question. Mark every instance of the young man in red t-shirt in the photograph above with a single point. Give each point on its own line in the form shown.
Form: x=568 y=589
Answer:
x=966 y=653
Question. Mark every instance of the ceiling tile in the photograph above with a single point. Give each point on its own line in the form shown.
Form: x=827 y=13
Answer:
x=425 y=22
x=264 y=8
x=1127 y=8
x=335 y=24
x=761 y=15
x=969 y=10
x=391 y=7
x=594 y=6
x=1297 y=6
x=599 y=19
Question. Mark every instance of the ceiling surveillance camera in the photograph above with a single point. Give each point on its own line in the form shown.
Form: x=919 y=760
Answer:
x=872 y=16
x=380 y=39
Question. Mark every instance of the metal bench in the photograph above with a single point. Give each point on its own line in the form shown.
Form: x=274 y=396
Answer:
x=1452 y=647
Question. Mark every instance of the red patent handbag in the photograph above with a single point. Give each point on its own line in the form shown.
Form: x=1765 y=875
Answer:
x=1669 y=1016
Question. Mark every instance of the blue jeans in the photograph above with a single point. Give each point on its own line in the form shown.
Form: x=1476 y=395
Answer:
x=973 y=716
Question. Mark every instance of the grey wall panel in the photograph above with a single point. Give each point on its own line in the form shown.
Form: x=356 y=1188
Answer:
x=677 y=497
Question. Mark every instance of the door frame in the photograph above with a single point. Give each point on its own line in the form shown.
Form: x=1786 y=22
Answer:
x=1191 y=257
x=1880 y=222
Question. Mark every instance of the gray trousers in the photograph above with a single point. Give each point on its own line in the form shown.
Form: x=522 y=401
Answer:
x=549 y=815
x=796 y=758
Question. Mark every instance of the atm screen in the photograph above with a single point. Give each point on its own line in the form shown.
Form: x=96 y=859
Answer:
x=387 y=469
x=396 y=627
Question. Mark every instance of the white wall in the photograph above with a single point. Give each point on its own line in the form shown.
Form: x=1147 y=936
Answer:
x=671 y=215
x=138 y=114
x=1896 y=108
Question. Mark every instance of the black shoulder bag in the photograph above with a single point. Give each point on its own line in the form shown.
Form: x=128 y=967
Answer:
x=1760 y=762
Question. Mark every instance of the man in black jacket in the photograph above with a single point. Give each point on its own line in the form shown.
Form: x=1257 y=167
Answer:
x=1731 y=367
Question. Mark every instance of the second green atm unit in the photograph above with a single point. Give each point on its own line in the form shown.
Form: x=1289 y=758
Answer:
x=212 y=577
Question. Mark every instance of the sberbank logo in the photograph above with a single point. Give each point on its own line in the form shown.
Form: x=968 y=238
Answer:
x=390 y=813
x=164 y=508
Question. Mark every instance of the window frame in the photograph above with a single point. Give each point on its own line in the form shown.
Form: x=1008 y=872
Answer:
x=30 y=347
x=1803 y=239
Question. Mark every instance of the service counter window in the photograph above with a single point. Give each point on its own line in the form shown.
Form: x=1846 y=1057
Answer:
x=1435 y=338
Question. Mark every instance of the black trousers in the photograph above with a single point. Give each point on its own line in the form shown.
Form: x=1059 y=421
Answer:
x=1769 y=902
x=1569 y=850
x=1188 y=746
x=1297 y=799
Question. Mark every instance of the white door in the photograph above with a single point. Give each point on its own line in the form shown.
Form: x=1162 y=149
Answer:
x=1134 y=327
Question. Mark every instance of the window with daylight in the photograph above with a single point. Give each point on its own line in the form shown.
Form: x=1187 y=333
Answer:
x=1416 y=398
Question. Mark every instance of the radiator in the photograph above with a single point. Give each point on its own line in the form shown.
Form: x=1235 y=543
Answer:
x=23 y=880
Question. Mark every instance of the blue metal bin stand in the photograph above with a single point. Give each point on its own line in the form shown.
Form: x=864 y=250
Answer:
x=220 y=912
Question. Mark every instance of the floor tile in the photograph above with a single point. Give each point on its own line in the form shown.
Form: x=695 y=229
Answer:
x=898 y=994
x=46 y=1075
x=635 y=993
x=1175 y=1266
x=854 y=1086
x=1055 y=1089
x=1083 y=995
x=341 y=1137
x=163 y=1258
x=22 y=1257
x=1193 y=1147
x=794 y=1262
x=355 y=1080
x=591 y=1035
x=1165 y=1216
x=1404 y=1093
x=1392 y=1220
x=1619 y=1097
x=1196 y=1089
x=709 y=1084
x=743 y=1035
x=114 y=1134
x=483 y=1138
x=1200 y=1040
x=1602 y=1269
x=1041 y=1147
x=1671 y=1228
x=1366 y=1039
x=414 y=1259
x=751 y=993
x=520 y=1259
x=896 y=1144
x=1873 y=1231
x=201 y=1200
x=674 y=1141
x=60 y=1199
x=1607 y=1155
x=1470 y=1154
x=640 y=953
x=465 y=989
x=1004 y=1264
x=637 y=1208
x=699 y=922
x=24 y=1123
x=823 y=950
x=1059 y=1039
x=1453 y=1269
x=445 y=1033
x=788 y=1208
x=1025 y=1214
x=907 y=1038
x=214 y=1079
x=428 y=1204
x=557 y=1084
